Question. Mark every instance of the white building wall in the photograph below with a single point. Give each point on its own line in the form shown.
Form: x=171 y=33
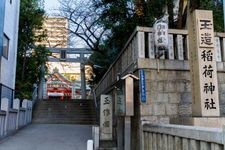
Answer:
x=8 y=66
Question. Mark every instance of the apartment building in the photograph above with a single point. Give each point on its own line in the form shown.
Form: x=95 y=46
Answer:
x=9 y=23
x=57 y=33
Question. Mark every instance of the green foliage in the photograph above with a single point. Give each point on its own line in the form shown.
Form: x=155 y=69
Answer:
x=120 y=16
x=29 y=56
x=217 y=8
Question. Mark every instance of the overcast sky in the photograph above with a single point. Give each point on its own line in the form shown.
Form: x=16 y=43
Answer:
x=51 y=6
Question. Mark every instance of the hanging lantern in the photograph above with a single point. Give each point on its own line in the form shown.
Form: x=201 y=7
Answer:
x=161 y=33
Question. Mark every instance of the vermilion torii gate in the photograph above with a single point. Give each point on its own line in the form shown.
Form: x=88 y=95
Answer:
x=76 y=55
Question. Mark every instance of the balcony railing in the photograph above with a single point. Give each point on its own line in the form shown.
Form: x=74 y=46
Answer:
x=140 y=45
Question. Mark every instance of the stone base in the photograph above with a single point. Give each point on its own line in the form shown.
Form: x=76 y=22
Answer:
x=107 y=145
x=213 y=122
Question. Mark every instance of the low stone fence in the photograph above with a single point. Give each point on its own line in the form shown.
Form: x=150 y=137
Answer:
x=11 y=119
x=177 y=137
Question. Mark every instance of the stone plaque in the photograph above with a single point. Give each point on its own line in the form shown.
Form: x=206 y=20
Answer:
x=180 y=47
x=170 y=47
x=151 y=49
x=106 y=117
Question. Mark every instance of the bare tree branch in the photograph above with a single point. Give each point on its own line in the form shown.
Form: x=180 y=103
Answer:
x=84 y=22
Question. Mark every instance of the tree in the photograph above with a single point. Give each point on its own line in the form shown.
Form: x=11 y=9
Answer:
x=217 y=8
x=115 y=21
x=29 y=56
x=215 y=5
x=84 y=22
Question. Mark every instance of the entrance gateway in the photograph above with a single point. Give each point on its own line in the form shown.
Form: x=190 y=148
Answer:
x=76 y=55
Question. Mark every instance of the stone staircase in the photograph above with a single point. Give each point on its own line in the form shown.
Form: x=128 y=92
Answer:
x=65 y=112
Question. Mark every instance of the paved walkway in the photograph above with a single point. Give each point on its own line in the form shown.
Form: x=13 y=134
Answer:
x=48 y=137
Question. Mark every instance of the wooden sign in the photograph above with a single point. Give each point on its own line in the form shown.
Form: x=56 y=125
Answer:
x=120 y=102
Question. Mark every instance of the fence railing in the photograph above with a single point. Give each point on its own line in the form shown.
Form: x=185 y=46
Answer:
x=177 y=137
x=141 y=45
x=14 y=118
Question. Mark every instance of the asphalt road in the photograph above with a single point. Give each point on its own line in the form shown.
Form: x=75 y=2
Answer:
x=48 y=137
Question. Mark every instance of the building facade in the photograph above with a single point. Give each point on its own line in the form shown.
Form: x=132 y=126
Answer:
x=66 y=60
x=56 y=29
x=9 y=20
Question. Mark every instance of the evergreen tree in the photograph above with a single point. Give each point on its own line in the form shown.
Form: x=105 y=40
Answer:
x=217 y=8
x=121 y=17
x=29 y=56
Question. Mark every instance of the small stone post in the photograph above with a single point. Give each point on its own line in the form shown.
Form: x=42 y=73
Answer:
x=5 y=107
x=16 y=106
x=25 y=106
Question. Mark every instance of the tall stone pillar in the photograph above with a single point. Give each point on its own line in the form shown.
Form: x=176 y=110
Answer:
x=205 y=101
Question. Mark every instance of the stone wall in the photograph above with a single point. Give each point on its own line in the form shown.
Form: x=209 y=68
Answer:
x=168 y=95
x=168 y=91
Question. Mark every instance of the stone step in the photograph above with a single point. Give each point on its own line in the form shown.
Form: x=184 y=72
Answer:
x=65 y=121
x=65 y=116
x=69 y=111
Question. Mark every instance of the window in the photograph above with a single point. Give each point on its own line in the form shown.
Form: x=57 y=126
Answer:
x=5 y=46
x=87 y=55
x=63 y=54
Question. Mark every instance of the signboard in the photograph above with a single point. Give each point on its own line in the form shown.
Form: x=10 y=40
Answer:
x=142 y=86
x=203 y=65
x=106 y=117
x=129 y=96
x=120 y=101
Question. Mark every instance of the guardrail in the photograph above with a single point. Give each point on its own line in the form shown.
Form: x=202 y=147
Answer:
x=179 y=137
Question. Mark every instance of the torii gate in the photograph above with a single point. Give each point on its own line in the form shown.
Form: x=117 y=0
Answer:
x=82 y=56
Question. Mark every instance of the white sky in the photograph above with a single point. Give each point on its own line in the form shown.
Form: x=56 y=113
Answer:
x=51 y=6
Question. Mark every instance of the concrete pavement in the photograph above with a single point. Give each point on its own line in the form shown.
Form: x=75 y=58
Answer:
x=49 y=137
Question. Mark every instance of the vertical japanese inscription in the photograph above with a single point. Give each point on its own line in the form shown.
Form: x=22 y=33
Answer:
x=203 y=64
x=207 y=68
x=106 y=117
x=206 y=33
